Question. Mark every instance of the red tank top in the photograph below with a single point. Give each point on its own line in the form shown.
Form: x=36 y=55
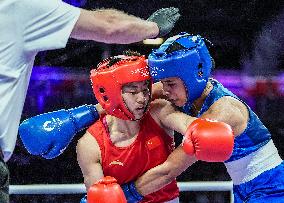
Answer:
x=151 y=148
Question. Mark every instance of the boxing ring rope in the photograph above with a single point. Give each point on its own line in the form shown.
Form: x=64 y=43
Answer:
x=80 y=188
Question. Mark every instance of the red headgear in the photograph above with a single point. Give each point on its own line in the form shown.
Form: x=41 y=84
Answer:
x=108 y=79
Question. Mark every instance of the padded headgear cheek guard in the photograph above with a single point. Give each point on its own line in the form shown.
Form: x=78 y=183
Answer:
x=184 y=56
x=107 y=81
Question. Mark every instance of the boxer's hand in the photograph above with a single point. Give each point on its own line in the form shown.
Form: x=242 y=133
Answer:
x=49 y=134
x=131 y=193
x=209 y=141
x=165 y=19
x=106 y=190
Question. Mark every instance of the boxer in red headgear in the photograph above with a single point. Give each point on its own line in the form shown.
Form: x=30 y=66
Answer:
x=135 y=136
x=109 y=78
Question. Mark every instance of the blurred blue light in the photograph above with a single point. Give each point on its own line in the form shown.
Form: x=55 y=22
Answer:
x=77 y=3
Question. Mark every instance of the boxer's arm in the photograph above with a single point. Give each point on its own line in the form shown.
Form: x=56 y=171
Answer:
x=161 y=175
x=205 y=139
x=231 y=111
x=89 y=156
x=226 y=109
x=169 y=117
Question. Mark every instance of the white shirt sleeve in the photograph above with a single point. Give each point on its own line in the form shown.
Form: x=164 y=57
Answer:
x=47 y=24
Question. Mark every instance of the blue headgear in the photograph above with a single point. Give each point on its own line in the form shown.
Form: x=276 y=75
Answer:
x=184 y=56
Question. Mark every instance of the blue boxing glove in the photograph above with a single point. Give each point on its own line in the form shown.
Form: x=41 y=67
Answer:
x=84 y=199
x=49 y=134
x=131 y=193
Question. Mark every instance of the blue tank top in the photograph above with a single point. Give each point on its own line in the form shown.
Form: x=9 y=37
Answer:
x=254 y=136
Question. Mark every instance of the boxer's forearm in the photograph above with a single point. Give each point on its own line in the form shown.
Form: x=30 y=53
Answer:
x=161 y=175
x=153 y=180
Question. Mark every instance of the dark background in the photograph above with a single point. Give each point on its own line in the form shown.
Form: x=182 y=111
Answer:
x=238 y=29
x=247 y=38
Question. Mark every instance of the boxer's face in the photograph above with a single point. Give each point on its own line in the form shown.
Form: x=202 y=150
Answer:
x=136 y=96
x=174 y=90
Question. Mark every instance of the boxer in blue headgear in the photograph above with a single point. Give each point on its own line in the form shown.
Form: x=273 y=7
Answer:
x=183 y=65
x=184 y=56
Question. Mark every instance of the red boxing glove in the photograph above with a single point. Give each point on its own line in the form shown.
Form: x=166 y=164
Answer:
x=106 y=190
x=208 y=140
